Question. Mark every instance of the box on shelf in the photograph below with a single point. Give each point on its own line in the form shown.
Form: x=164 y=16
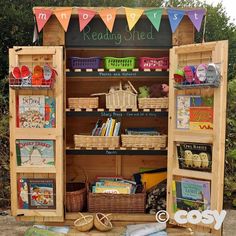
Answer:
x=83 y=141
x=119 y=63
x=85 y=63
x=143 y=141
x=153 y=103
x=154 y=63
x=83 y=103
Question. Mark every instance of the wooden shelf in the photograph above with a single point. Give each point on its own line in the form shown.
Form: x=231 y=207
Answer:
x=35 y=169
x=196 y=86
x=101 y=73
x=107 y=113
x=118 y=151
x=31 y=87
x=36 y=212
x=192 y=174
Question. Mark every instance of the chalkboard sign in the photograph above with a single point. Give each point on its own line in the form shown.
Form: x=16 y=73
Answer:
x=143 y=35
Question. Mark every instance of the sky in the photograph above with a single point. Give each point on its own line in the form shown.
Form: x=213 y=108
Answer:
x=230 y=6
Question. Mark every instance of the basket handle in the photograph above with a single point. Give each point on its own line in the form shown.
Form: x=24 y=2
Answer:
x=132 y=87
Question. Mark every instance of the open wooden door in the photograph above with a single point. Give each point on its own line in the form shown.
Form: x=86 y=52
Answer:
x=186 y=126
x=36 y=137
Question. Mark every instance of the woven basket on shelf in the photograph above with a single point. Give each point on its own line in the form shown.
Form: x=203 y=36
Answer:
x=117 y=203
x=83 y=141
x=144 y=141
x=83 y=103
x=76 y=193
x=153 y=103
x=84 y=223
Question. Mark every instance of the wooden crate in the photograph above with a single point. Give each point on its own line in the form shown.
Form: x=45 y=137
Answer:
x=83 y=141
x=144 y=141
x=153 y=103
x=83 y=103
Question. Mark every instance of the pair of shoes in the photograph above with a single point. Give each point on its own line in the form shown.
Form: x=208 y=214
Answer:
x=22 y=74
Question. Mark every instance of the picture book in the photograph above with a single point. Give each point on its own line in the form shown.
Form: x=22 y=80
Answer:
x=111 y=189
x=35 y=152
x=194 y=156
x=142 y=131
x=194 y=112
x=42 y=193
x=22 y=193
x=190 y=194
x=35 y=111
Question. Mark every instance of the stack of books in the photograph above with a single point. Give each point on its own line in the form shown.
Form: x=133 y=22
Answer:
x=141 y=131
x=114 y=185
x=109 y=128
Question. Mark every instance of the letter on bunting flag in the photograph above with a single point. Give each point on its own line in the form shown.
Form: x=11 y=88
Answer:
x=63 y=15
x=196 y=16
x=132 y=16
x=154 y=15
x=175 y=17
x=108 y=16
x=85 y=16
x=42 y=16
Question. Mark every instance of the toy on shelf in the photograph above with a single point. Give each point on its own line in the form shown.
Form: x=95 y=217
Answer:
x=42 y=77
x=203 y=75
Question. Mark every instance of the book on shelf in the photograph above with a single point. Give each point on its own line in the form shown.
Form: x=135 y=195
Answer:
x=109 y=128
x=191 y=194
x=35 y=111
x=35 y=152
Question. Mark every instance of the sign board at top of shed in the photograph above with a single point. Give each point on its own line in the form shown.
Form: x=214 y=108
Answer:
x=96 y=34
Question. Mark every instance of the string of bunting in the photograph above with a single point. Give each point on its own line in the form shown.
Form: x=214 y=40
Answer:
x=108 y=16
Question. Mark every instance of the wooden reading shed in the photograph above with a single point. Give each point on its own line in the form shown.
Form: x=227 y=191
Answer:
x=57 y=47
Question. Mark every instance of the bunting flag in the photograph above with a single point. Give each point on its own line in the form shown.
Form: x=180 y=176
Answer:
x=196 y=16
x=175 y=17
x=154 y=15
x=63 y=15
x=108 y=16
x=85 y=16
x=42 y=16
x=132 y=16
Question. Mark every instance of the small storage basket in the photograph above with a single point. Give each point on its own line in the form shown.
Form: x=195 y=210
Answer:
x=116 y=203
x=119 y=63
x=83 y=103
x=154 y=63
x=85 y=63
x=84 y=223
x=153 y=103
x=88 y=141
x=144 y=141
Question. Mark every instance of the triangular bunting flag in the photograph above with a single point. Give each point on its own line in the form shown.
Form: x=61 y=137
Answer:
x=175 y=17
x=42 y=16
x=63 y=15
x=85 y=16
x=108 y=16
x=196 y=17
x=132 y=16
x=154 y=15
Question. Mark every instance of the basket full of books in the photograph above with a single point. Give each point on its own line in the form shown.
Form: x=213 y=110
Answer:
x=118 y=195
x=104 y=135
x=143 y=138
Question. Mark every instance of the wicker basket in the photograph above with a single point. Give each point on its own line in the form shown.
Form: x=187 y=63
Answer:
x=119 y=63
x=154 y=63
x=102 y=222
x=153 y=103
x=144 y=141
x=88 y=141
x=83 y=103
x=84 y=223
x=85 y=63
x=116 y=203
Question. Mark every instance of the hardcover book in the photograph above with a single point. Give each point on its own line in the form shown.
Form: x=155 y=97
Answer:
x=190 y=194
x=35 y=111
x=42 y=193
x=35 y=152
x=194 y=156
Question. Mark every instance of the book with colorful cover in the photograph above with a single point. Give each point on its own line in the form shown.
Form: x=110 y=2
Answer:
x=35 y=152
x=111 y=189
x=22 y=193
x=194 y=156
x=191 y=194
x=194 y=112
x=35 y=111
